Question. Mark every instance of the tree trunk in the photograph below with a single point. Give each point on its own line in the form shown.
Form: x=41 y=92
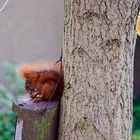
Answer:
x=98 y=54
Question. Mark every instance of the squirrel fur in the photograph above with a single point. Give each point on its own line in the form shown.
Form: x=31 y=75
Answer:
x=43 y=80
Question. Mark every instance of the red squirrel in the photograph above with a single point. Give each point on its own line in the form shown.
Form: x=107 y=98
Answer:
x=43 y=80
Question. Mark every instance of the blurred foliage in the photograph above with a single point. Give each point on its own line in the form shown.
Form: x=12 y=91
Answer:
x=136 y=118
x=10 y=88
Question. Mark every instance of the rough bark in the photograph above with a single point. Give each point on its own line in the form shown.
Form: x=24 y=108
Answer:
x=98 y=53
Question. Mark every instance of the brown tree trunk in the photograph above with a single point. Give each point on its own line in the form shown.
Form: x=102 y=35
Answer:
x=98 y=54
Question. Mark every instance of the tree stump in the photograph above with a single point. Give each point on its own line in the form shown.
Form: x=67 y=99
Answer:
x=33 y=123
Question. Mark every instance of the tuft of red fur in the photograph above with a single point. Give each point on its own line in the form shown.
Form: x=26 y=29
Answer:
x=24 y=69
x=45 y=77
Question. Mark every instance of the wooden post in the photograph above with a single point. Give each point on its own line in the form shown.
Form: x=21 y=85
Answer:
x=32 y=123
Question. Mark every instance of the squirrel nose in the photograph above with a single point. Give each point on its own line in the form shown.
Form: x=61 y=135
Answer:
x=27 y=86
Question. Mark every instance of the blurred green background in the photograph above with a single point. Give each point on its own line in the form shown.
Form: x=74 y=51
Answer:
x=14 y=87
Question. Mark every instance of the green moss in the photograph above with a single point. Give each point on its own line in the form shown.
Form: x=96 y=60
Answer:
x=44 y=125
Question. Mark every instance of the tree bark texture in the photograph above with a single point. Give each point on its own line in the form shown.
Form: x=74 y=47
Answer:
x=98 y=54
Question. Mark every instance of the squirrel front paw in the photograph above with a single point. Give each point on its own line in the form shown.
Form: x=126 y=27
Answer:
x=36 y=96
